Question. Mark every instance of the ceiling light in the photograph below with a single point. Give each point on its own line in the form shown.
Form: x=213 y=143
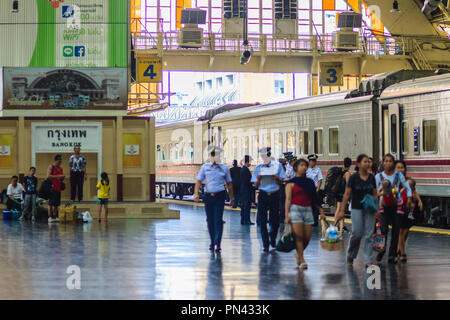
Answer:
x=395 y=8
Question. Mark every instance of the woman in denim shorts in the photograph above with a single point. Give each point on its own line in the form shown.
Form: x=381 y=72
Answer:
x=301 y=195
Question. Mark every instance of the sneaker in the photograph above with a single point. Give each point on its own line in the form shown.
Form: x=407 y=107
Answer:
x=21 y=218
x=56 y=219
x=411 y=216
x=50 y=220
x=33 y=219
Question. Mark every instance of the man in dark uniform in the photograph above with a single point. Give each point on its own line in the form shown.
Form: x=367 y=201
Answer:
x=246 y=189
x=235 y=173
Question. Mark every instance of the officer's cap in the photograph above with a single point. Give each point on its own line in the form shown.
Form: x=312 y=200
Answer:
x=312 y=157
x=265 y=150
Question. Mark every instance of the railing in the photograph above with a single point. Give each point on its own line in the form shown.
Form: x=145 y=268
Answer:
x=419 y=58
x=168 y=41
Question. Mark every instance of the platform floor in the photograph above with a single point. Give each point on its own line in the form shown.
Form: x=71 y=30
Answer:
x=169 y=259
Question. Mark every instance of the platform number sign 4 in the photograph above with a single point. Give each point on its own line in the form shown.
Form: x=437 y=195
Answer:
x=331 y=74
x=149 y=69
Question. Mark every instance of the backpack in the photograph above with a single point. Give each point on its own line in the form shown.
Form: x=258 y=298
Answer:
x=45 y=189
x=333 y=183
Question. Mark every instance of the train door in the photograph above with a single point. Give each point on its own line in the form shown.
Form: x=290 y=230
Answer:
x=391 y=120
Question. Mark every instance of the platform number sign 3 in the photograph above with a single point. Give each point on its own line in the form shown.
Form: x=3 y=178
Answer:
x=331 y=74
x=149 y=69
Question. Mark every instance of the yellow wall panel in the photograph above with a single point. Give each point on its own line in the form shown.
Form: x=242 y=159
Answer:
x=132 y=149
x=329 y=5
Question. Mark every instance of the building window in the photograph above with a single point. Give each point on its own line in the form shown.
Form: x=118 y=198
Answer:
x=318 y=142
x=15 y=6
x=333 y=141
x=279 y=86
x=304 y=142
x=290 y=142
x=234 y=147
x=405 y=137
x=230 y=79
x=429 y=129
x=393 y=133
x=245 y=146
x=254 y=147
x=219 y=83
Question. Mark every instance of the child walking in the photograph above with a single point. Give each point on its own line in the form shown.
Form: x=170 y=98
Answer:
x=103 y=195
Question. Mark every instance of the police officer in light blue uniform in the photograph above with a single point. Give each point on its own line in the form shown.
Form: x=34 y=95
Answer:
x=269 y=196
x=315 y=174
x=216 y=176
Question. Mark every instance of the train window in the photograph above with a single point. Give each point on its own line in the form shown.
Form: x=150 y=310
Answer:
x=255 y=146
x=393 y=133
x=304 y=142
x=405 y=137
x=416 y=140
x=278 y=141
x=234 y=147
x=290 y=142
x=164 y=152
x=333 y=141
x=429 y=129
x=245 y=147
x=318 y=141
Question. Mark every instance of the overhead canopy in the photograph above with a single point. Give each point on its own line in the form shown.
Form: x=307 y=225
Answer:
x=228 y=107
x=376 y=84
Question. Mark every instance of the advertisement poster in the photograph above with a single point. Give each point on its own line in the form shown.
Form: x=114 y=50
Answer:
x=69 y=33
x=6 y=147
x=132 y=149
x=60 y=88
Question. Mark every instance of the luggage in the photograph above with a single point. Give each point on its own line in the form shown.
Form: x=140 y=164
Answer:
x=7 y=215
x=333 y=183
x=287 y=241
x=67 y=213
x=45 y=189
x=370 y=203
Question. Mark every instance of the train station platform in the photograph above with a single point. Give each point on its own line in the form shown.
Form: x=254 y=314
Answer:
x=169 y=259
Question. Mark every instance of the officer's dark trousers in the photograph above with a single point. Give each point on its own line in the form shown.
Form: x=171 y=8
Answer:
x=237 y=195
x=76 y=183
x=268 y=202
x=214 y=204
x=390 y=217
x=246 y=203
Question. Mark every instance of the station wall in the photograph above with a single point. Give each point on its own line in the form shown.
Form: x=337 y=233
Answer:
x=127 y=155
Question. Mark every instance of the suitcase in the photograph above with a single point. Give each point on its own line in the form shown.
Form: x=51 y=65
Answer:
x=67 y=213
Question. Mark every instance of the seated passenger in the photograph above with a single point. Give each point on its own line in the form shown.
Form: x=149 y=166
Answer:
x=15 y=195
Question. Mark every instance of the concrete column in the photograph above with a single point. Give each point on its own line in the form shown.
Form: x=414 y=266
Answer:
x=151 y=163
x=119 y=158
x=21 y=148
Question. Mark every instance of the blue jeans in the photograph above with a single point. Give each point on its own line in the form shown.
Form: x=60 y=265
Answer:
x=268 y=202
x=246 y=203
x=214 y=205
x=363 y=224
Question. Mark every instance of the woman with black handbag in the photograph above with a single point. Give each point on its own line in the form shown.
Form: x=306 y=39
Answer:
x=301 y=195
x=361 y=187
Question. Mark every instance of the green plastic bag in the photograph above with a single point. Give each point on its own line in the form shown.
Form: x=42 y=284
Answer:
x=287 y=240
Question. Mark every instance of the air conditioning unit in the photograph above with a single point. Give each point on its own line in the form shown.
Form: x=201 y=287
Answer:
x=190 y=37
x=346 y=40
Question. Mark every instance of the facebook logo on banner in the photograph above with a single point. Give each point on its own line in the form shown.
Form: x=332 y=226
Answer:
x=80 y=51
x=67 y=11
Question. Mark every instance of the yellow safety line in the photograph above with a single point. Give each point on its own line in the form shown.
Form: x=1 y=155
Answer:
x=349 y=221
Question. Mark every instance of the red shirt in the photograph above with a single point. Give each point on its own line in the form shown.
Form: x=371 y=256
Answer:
x=56 y=183
x=300 y=197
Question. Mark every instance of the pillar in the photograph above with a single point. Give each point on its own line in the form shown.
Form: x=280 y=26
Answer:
x=119 y=158
x=151 y=163
x=21 y=147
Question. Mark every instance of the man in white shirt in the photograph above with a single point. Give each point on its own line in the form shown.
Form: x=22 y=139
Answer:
x=15 y=195
x=315 y=174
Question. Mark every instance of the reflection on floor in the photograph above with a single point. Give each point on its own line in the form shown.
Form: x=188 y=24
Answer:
x=159 y=259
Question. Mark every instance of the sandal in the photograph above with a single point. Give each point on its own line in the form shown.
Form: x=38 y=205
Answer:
x=403 y=258
x=350 y=261
x=303 y=266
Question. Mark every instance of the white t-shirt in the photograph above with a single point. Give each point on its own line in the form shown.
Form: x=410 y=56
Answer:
x=15 y=192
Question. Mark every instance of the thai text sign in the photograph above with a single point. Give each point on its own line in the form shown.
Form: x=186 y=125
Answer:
x=62 y=138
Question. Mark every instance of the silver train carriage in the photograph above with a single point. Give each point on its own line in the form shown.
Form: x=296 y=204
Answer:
x=408 y=119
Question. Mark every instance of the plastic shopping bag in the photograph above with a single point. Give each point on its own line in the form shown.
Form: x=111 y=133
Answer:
x=87 y=216
x=287 y=241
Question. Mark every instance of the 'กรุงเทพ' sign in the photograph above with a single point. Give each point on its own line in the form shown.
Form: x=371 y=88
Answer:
x=58 y=139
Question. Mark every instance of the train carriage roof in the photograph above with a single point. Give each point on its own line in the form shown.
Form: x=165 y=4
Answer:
x=431 y=84
x=325 y=100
